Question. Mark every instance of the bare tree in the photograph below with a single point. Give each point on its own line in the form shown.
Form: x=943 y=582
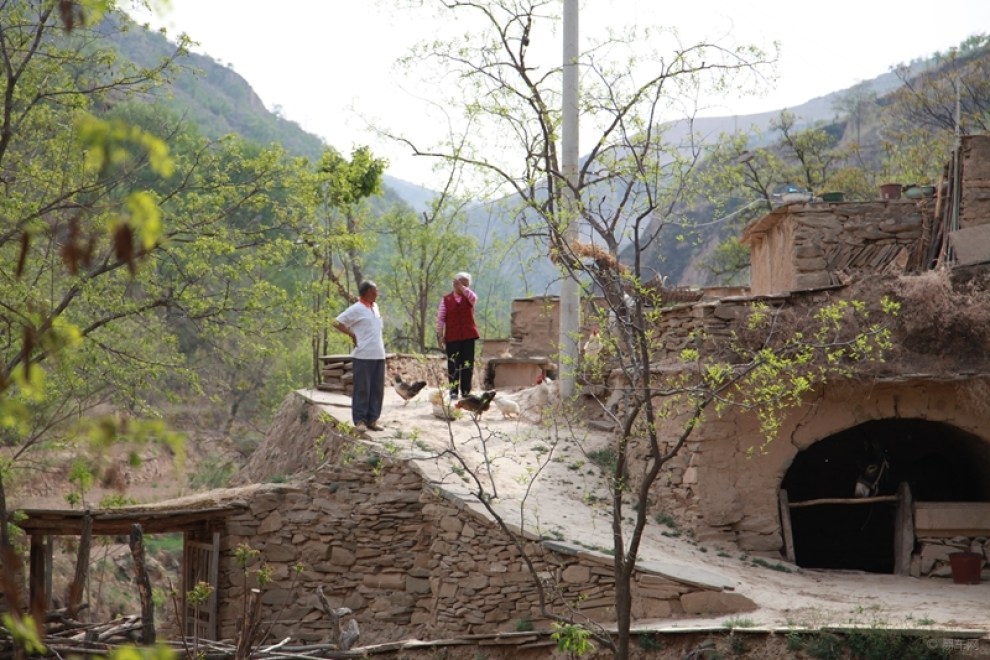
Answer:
x=631 y=183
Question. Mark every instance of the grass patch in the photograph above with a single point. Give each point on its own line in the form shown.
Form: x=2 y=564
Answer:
x=666 y=520
x=777 y=566
x=167 y=543
x=605 y=458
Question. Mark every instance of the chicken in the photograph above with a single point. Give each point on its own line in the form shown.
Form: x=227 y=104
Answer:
x=506 y=406
x=475 y=404
x=407 y=390
x=440 y=399
x=593 y=346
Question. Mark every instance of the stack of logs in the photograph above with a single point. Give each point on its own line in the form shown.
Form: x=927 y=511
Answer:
x=336 y=374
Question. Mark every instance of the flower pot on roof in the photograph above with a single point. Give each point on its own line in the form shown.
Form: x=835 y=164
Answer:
x=890 y=191
x=919 y=192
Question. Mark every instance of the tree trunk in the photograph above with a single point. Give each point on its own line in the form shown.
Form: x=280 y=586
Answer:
x=623 y=613
x=252 y=614
x=144 y=586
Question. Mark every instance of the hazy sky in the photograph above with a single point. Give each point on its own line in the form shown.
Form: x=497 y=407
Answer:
x=329 y=64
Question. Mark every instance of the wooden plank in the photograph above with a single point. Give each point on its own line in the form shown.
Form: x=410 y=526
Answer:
x=903 y=531
x=213 y=617
x=951 y=518
x=785 y=527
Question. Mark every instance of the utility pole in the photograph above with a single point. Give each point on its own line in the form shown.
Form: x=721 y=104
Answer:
x=569 y=310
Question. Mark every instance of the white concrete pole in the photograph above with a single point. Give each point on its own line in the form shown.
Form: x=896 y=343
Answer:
x=570 y=309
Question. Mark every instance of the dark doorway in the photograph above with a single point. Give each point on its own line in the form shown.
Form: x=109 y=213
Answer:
x=939 y=462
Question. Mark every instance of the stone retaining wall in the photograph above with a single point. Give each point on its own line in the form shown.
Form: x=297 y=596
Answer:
x=409 y=562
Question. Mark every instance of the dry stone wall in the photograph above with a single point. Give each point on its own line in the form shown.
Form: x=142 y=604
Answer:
x=409 y=561
x=809 y=246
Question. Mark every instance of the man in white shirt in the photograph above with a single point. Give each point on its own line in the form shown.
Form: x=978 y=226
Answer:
x=362 y=322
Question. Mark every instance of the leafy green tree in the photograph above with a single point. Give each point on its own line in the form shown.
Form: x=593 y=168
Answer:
x=632 y=183
x=61 y=165
x=338 y=236
x=425 y=252
x=920 y=125
x=131 y=267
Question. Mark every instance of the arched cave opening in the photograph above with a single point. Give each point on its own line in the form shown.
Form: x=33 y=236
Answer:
x=940 y=463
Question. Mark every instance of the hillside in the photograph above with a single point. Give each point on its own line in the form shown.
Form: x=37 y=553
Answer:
x=219 y=101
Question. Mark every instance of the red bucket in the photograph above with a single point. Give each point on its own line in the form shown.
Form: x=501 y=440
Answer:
x=966 y=567
x=890 y=191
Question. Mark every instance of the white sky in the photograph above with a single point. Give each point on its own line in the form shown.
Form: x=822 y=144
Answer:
x=329 y=64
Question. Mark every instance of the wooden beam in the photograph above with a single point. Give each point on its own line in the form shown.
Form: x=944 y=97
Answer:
x=843 y=500
x=118 y=523
x=952 y=518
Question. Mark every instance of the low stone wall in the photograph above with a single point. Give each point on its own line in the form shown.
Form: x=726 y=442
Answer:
x=809 y=246
x=932 y=555
x=410 y=562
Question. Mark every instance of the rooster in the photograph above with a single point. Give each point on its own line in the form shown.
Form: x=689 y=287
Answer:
x=407 y=390
x=593 y=346
x=475 y=404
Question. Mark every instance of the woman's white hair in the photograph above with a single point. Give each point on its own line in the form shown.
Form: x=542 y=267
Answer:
x=463 y=276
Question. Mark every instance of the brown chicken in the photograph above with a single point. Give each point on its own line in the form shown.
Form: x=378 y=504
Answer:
x=407 y=390
x=476 y=404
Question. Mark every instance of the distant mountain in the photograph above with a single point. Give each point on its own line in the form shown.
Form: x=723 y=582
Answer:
x=820 y=108
x=220 y=101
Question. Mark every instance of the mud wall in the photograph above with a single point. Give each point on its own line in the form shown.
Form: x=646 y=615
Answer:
x=726 y=482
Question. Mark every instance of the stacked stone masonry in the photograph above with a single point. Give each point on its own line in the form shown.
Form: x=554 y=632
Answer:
x=410 y=562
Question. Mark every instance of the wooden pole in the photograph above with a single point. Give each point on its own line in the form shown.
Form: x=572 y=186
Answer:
x=144 y=585
x=785 y=526
x=82 y=566
x=36 y=592
x=903 y=530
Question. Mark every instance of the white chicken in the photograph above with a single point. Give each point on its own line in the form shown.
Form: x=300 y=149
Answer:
x=593 y=346
x=506 y=406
